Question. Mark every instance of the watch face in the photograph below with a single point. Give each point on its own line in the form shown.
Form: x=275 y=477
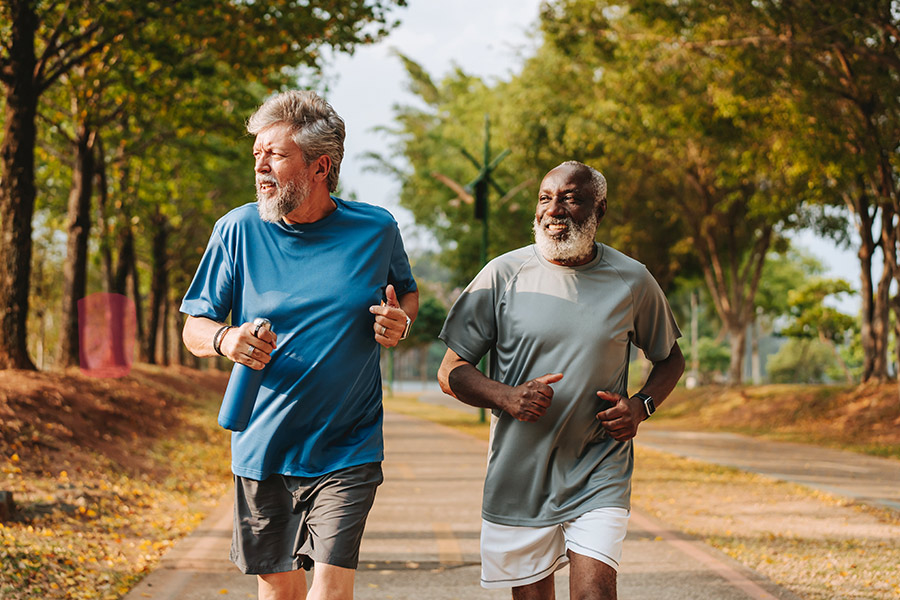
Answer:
x=649 y=405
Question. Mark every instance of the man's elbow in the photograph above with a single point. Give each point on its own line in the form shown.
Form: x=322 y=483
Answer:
x=448 y=365
x=443 y=377
x=676 y=360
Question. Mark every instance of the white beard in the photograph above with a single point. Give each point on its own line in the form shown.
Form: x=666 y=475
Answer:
x=575 y=245
x=287 y=198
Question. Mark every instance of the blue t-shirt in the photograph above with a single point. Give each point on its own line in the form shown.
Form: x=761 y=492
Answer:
x=319 y=407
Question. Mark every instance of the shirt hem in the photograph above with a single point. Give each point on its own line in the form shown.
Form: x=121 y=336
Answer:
x=292 y=471
x=562 y=517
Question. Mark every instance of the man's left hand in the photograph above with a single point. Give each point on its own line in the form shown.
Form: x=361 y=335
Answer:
x=622 y=419
x=390 y=320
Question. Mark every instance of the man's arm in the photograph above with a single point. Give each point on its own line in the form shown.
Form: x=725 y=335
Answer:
x=238 y=343
x=526 y=402
x=622 y=420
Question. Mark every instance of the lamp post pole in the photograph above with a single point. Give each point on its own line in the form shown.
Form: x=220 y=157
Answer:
x=480 y=187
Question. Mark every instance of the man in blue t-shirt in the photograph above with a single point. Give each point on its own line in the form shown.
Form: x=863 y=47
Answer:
x=334 y=280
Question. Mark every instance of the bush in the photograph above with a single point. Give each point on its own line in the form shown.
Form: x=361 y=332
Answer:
x=801 y=361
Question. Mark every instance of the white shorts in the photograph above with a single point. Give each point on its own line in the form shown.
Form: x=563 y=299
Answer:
x=516 y=556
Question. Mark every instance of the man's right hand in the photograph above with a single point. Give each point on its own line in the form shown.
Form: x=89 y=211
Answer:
x=529 y=401
x=240 y=345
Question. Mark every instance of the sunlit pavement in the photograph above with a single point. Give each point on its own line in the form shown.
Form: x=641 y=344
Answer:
x=421 y=540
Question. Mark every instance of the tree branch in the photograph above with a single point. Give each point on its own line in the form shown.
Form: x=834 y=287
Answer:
x=65 y=64
x=51 y=48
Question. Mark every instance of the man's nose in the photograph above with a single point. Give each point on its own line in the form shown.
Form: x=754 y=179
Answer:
x=262 y=164
x=555 y=208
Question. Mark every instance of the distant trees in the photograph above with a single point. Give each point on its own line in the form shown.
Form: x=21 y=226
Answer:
x=720 y=126
x=124 y=93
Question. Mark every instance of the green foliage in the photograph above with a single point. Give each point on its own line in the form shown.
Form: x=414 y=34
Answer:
x=429 y=322
x=783 y=273
x=801 y=361
x=443 y=144
x=714 y=359
x=811 y=317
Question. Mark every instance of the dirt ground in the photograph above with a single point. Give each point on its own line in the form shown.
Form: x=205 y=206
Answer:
x=64 y=420
x=864 y=418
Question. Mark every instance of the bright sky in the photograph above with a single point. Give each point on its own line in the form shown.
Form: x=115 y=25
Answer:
x=489 y=38
x=484 y=38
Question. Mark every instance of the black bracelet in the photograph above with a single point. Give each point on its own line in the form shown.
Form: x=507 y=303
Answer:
x=217 y=339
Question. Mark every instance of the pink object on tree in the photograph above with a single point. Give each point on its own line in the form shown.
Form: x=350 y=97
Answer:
x=106 y=332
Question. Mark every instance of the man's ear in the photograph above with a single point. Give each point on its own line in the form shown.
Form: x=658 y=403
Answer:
x=323 y=168
x=601 y=209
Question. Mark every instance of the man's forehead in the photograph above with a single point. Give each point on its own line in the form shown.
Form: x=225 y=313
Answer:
x=277 y=134
x=565 y=175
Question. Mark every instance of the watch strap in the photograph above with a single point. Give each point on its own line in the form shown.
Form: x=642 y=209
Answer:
x=647 y=401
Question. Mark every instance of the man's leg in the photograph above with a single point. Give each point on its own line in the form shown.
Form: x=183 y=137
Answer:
x=590 y=579
x=545 y=589
x=282 y=586
x=331 y=583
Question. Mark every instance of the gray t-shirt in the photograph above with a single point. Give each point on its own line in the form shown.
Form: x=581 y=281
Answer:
x=536 y=317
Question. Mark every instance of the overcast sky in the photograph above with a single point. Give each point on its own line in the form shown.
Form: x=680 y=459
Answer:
x=489 y=38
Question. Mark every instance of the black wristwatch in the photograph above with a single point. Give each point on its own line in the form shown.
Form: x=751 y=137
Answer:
x=649 y=405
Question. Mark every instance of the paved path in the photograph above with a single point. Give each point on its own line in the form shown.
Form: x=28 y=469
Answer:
x=421 y=541
x=867 y=479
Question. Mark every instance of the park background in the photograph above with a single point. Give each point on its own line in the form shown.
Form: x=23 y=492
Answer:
x=751 y=159
x=751 y=151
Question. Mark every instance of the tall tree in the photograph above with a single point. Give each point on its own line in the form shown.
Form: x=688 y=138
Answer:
x=839 y=62
x=690 y=138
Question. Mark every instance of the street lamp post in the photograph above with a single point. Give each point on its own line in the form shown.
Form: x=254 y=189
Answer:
x=476 y=193
x=480 y=187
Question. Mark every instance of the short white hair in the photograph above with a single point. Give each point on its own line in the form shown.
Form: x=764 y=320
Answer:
x=315 y=126
x=598 y=181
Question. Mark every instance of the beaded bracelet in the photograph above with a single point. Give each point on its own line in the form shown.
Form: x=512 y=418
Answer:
x=217 y=339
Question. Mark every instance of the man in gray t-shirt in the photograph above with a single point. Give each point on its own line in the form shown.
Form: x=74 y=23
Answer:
x=558 y=318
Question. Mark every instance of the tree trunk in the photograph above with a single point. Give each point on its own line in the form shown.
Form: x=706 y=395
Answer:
x=158 y=287
x=164 y=330
x=79 y=227
x=737 y=335
x=755 y=362
x=17 y=191
x=860 y=207
x=881 y=316
x=176 y=348
x=103 y=218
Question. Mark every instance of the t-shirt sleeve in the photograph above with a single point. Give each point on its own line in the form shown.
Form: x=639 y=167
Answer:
x=471 y=326
x=655 y=329
x=210 y=293
x=399 y=272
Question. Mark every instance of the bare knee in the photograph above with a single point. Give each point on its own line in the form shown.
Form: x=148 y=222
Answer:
x=590 y=579
x=332 y=583
x=545 y=589
x=282 y=586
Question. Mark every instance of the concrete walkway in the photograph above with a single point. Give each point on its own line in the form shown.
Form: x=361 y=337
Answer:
x=866 y=479
x=421 y=541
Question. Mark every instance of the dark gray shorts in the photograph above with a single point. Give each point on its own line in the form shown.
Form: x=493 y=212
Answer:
x=285 y=523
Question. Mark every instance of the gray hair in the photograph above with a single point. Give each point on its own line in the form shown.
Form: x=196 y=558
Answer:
x=315 y=126
x=598 y=181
